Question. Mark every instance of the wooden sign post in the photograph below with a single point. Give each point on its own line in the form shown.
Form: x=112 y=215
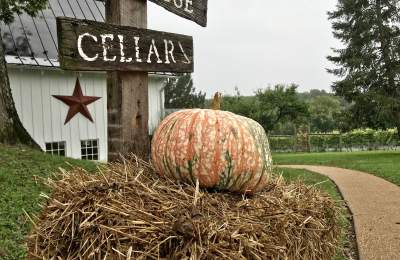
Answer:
x=128 y=98
x=128 y=51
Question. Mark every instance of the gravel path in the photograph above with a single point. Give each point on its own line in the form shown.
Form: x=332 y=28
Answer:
x=375 y=204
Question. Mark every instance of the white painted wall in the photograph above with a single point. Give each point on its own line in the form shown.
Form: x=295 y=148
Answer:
x=156 y=101
x=43 y=115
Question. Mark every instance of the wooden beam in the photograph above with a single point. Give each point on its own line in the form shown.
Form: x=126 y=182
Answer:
x=128 y=105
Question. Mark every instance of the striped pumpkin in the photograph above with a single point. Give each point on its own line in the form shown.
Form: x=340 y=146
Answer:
x=219 y=149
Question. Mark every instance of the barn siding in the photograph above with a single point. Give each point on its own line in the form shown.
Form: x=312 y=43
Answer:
x=43 y=116
x=156 y=102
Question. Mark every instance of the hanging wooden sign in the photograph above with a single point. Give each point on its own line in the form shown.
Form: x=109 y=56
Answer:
x=194 y=10
x=89 y=45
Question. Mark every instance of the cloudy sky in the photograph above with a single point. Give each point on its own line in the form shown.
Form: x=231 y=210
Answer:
x=254 y=43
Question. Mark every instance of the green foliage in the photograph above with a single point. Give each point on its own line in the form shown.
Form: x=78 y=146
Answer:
x=10 y=7
x=282 y=143
x=383 y=164
x=180 y=93
x=369 y=63
x=271 y=107
x=364 y=114
x=313 y=93
x=239 y=104
x=324 y=111
x=358 y=139
x=21 y=173
x=325 y=142
x=280 y=104
x=369 y=139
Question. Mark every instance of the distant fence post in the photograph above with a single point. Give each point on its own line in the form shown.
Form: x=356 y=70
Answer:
x=302 y=139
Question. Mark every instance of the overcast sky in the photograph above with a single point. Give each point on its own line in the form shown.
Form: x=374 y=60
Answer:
x=254 y=43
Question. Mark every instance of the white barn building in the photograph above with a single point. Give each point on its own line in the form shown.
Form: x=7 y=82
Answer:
x=31 y=54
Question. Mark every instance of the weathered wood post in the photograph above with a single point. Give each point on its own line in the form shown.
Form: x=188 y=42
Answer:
x=127 y=91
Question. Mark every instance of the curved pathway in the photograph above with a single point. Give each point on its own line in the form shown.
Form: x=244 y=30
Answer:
x=375 y=205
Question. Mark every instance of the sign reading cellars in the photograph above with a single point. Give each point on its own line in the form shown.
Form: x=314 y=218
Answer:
x=90 y=45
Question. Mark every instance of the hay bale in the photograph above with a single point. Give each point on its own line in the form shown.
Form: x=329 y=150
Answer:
x=125 y=211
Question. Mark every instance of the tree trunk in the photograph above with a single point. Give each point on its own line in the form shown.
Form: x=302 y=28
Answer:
x=398 y=131
x=11 y=129
x=398 y=124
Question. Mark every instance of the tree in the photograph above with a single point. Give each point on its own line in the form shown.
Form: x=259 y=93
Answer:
x=313 y=93
x=278 y=109
x=180 y=93
x=369 y=63
x=324 y=111
x=365 y=114
x=11 y=128
x=280 y=104
x=238 y=104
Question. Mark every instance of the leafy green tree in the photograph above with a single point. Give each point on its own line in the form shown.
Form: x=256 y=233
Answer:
x=364 y=114
x=279 y=105
x=11 y=129
x=239 y=104
x=8 y=8
x=277 y=109
x=324 y=112
x=313 y=93
x=369 y=63
x=180 y=93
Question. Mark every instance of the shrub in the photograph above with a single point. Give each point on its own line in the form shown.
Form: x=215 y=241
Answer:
x=282 y=143
x=325 y=142
x=358 y=139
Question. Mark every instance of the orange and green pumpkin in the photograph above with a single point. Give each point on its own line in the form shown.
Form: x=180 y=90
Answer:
x=219 y=149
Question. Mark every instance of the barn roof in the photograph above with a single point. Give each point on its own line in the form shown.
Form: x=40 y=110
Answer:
x=33 y=40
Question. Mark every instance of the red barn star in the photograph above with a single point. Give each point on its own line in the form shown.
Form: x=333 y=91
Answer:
x=77 y=103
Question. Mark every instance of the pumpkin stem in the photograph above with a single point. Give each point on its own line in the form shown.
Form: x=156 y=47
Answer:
x=216 y=104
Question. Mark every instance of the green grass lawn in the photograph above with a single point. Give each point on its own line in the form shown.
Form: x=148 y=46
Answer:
x=326 y=185
x=380 y=163
x=19 y=191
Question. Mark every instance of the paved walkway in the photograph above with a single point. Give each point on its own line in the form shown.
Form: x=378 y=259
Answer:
x=375 y=204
